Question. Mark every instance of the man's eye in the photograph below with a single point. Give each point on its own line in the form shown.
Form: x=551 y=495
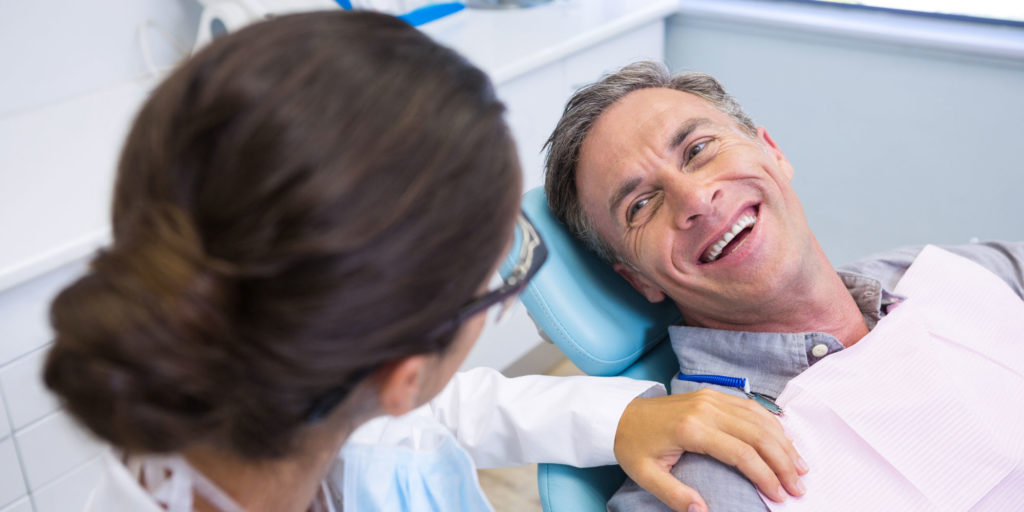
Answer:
x=695 y=149
x=636 y=207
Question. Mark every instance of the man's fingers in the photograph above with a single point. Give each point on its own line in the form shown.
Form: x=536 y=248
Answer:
x=678 y=496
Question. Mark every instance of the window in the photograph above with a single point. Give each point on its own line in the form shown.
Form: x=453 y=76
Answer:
x=997 y=11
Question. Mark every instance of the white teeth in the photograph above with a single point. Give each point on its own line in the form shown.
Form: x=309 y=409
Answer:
x=743 y=223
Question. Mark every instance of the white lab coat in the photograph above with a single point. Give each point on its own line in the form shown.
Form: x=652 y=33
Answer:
x=497 y=420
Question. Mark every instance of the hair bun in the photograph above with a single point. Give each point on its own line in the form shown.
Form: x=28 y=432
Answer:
x=136 y=357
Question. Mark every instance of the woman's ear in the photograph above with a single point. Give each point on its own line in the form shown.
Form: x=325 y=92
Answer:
x=401 y=383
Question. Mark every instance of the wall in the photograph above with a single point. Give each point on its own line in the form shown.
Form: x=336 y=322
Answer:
x=893 y=143
x=65 y=66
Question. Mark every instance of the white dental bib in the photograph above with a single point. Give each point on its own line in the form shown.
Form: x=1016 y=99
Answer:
x=927 y=411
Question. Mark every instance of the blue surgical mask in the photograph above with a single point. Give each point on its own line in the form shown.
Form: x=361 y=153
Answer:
x=428 y=471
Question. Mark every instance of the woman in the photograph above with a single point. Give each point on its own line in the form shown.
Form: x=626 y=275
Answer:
x=305 y=219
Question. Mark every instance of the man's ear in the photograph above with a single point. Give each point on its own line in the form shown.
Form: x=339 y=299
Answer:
x=773 y=149
x=643 y=285
x=401 y=383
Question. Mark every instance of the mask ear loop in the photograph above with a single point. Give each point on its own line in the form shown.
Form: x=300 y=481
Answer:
x=211 y=493
x=172 y=481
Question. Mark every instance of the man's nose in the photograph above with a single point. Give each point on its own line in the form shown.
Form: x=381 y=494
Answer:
x=693 y=197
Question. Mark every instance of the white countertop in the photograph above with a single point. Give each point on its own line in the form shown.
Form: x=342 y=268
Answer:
x=509 y=43
x=57 y=167
x=57 y=163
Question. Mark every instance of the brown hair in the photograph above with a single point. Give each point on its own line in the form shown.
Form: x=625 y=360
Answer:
x=302 y=201
x=579 y=116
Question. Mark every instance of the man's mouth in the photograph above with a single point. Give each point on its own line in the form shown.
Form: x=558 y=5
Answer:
x=731 y=239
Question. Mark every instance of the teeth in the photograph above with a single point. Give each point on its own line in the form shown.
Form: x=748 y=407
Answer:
x=743 y=223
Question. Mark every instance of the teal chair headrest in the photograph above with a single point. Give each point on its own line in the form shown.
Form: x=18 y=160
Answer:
x=590 y=312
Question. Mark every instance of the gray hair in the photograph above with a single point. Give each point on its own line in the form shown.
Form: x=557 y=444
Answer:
x=583 y=109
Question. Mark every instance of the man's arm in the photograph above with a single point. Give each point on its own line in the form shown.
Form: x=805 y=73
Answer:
x=592 y=421
x=1004 y=259
x=710 y=426
x=722 y=486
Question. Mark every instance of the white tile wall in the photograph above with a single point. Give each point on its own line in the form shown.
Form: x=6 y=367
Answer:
x=44 y=457
x=70 y=491
x=26 y=395
x=12 y=483
x=5 y=424
x=52 y=447
x=22 y=505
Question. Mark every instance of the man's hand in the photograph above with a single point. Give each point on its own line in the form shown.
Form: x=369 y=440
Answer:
x=654 y=432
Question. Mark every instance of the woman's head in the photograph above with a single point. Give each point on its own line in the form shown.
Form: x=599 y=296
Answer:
x=302 y=202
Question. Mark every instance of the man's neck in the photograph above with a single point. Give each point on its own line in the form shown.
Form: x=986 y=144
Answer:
x=818 y=302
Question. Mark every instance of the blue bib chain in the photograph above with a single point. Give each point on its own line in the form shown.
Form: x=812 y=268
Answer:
x=738 y=383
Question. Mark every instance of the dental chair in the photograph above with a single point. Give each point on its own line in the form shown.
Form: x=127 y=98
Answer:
x=603 y=326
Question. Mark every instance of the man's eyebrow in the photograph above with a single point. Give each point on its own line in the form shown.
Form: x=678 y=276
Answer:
x=686 y=129
x=624 y=190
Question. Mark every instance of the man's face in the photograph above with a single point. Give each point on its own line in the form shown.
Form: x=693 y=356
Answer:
x=699 y=210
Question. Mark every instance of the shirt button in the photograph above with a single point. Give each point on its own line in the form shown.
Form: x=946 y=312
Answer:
x=819 y=350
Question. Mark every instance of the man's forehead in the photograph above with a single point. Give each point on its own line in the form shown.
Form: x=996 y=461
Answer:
x=662 y=104
x=641 y=122
x=646 y=116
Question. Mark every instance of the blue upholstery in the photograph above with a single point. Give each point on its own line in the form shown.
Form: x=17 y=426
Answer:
x=603 y=326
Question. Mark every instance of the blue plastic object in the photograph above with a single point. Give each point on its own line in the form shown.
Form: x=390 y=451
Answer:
x=430 y=13
x=420 y=16
x=604 y=326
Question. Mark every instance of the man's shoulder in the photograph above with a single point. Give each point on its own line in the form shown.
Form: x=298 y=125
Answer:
x=1004 y=259
x=886 y=267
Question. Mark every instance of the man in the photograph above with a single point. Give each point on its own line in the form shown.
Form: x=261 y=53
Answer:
x=668 y=179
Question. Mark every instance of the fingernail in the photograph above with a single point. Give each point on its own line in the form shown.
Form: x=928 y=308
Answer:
x=782 y=494
x=801 y=464
x=693 y=508
x=801 y=487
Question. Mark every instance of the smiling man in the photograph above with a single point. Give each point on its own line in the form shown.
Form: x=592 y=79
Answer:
x=671 y=182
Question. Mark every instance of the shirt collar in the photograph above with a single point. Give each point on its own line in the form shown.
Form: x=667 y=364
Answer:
x=769 y=359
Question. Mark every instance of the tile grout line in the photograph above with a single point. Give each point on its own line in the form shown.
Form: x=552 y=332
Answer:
x=17 y=453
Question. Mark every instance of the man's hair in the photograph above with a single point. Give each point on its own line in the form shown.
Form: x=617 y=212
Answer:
x=583 y=110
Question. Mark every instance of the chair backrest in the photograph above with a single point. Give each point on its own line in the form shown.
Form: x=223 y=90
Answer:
x=590 y=312
x=604 y=326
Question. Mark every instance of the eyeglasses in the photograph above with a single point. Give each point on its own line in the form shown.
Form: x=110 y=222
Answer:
x=532 y=254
